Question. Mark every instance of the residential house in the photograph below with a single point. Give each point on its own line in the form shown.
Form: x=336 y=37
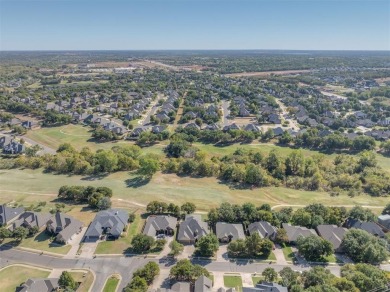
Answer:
x=370 y=227
x=227 y=232
x=212 y=127
x=63 y=226
x=263 y=228
x=203 y=284
x=109 y=223
x=278 y=131
x=137 y=132
x=190 y=115
x=293 y=232
x=158 y=129
x=9 y=214
x=231 y=127
x=161 y=224
x=191 y=229
x=274 y=118
x=39 y=285
x=384 y=220
x=265 y=287
x=30 y=220
x=333 y=234
x=252 y=128
x=192 y=126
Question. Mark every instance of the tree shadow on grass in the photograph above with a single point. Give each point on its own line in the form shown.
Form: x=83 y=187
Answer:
x=136 y=182
x=94 y=177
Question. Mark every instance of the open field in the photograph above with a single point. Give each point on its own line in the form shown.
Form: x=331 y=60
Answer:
x=79 y=136
x=11 y=277
x=266 y=73
x=31 y=186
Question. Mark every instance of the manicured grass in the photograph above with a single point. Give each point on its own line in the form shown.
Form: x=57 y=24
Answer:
x=79 y=136
x=42 y=242
x=232 y=281
x=257 y=279
x=31 y=186
x=14 y=276
x=111 y=284
x=84 y=278
x=123 y=243
x=288 y=253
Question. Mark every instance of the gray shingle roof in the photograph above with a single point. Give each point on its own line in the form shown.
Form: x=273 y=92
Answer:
x=112 y=220
x=7 y=214
x=39 y=285
x=203 y=284
x=228 y=230
x=192 y=228
x=156 y=223
x=263 y=228
x=332 y=233
x=293 y=232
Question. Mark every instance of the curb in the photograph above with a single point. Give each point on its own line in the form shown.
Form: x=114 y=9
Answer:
x=118 y=276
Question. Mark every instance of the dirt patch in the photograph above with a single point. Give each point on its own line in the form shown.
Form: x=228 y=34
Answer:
x=266 y=73
x=244 y=121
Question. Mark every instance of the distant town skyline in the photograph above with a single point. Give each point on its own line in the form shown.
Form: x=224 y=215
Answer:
x=194 y=25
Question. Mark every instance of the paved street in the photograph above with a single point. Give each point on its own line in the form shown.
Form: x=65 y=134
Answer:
x=103 y=267
x=225 y=112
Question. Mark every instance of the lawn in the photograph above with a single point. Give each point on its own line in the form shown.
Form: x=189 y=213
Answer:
x=111 y=284
x=13 y=276
x=79 y=136
x=84 y=278
x=232 y=281
x=31 y=186
x=288 y=253
x=257 y=279
x=42 y=242
x=123 y=243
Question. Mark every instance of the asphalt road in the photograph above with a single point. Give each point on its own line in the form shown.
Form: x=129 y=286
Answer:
x=103 y=267
x=225 y=112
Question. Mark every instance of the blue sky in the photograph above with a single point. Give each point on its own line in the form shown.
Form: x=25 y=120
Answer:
x=196 y=24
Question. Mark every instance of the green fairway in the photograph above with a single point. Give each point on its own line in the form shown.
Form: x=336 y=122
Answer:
x=12 y=277
x=32 y=186
x=80 y=136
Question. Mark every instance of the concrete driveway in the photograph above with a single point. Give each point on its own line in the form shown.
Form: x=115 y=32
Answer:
x=75 y=243
x=222 y=253
x=88 y=249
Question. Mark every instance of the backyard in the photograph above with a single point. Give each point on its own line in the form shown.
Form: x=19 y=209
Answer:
x=13 y=276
